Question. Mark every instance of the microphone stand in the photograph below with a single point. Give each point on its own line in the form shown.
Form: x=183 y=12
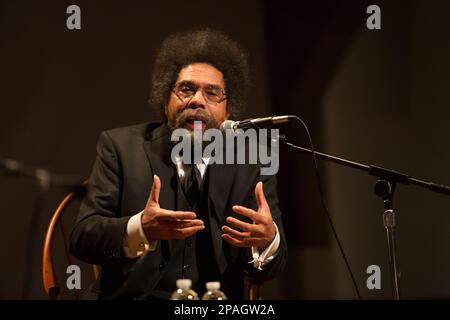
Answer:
x=384 y=188
x=45 y=180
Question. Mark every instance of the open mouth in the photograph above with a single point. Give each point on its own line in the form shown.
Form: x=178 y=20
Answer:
x=195 y=123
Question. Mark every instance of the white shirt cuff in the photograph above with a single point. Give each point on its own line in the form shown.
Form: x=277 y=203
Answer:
x=260 y=260
x=135 y=243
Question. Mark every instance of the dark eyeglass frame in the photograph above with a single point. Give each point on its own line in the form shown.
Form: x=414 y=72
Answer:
x=195 y=89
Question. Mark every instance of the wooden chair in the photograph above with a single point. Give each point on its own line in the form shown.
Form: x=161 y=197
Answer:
x=51 y=286
x=254 y=292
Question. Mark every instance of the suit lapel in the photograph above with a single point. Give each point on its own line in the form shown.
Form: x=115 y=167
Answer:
x=157 y=149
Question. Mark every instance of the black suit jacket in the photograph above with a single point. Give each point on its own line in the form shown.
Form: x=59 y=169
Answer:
x=119 y=187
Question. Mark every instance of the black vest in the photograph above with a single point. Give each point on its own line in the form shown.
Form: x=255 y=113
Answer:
x=192 y=258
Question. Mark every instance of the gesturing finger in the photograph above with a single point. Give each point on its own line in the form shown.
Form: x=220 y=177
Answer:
x=169 y=215
x=249 y=213
x=248 y=242
x=182 y=233
x=233 y=241
x=260 y=197
x=180 y=224
x=236 y=234
x=154 y=192
x=241 y=225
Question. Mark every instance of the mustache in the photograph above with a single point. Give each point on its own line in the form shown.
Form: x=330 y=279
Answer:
x=194 y=115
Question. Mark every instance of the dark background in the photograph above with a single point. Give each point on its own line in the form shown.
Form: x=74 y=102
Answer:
x=377 y=97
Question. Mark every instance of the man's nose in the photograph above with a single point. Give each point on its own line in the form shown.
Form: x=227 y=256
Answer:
x=198 y=100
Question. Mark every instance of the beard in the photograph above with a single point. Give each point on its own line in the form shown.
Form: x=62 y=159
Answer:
x=185 y=119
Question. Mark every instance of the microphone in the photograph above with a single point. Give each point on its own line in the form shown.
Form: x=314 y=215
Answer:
x=234 y=125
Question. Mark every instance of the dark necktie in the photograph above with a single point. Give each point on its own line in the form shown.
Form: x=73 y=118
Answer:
x=190 y=185
x=205 y=258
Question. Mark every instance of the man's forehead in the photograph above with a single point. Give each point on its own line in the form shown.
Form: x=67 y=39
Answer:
x=201 y=73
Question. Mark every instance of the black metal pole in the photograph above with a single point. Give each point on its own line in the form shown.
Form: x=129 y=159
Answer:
x=385 y=190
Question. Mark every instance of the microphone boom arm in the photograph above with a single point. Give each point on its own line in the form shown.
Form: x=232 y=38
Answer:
x=380 y=172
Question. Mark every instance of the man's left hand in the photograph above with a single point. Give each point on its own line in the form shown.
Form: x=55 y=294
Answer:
x=260 y=233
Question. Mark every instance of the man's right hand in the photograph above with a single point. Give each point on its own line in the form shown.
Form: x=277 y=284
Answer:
x=162 y=224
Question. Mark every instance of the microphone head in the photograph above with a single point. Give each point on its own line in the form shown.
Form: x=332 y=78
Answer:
x=227 y=125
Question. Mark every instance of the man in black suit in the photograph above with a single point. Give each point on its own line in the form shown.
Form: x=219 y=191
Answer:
x=148 y=220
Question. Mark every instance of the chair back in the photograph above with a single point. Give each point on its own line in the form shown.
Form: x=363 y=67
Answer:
x=49 y=274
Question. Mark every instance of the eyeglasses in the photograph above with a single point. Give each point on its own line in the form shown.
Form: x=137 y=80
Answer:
x=186 y=90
